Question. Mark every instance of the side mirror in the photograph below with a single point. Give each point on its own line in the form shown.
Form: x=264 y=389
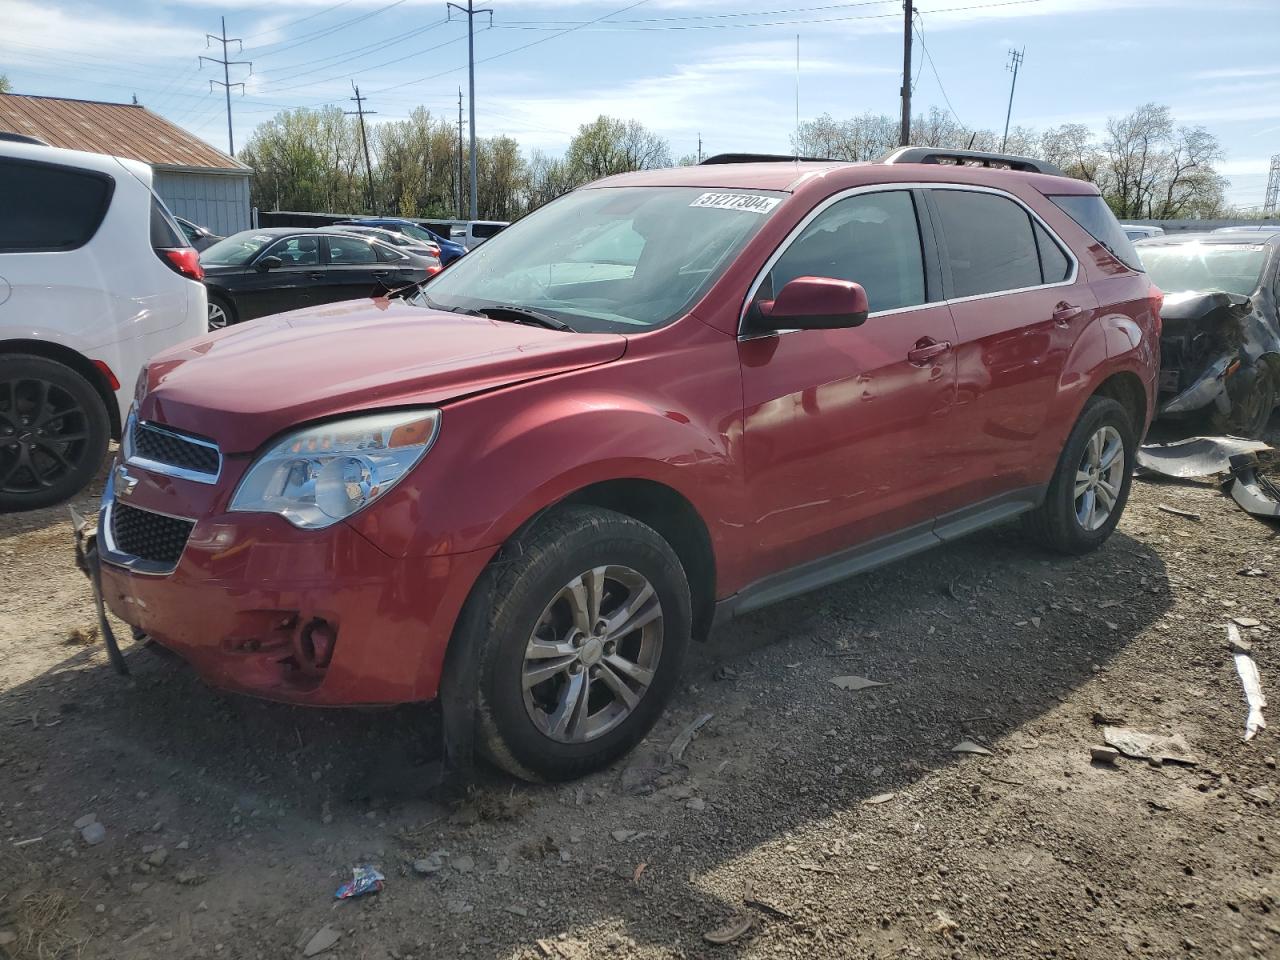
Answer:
x=269 y=263
x=812 y=303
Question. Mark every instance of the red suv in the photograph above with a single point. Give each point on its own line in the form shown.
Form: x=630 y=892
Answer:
x=660 y=401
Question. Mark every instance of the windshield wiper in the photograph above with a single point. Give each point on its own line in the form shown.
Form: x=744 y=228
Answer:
x=503 y=311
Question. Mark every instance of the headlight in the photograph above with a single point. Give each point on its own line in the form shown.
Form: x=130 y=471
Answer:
x=320 y=475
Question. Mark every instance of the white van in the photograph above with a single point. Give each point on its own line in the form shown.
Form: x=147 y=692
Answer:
x=95 y=277
x=472 y=233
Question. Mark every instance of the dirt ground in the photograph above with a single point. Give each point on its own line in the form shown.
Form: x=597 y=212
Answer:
x=838 y=822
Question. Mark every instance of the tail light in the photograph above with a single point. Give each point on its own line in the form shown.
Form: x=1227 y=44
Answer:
x=433 y=269
x=183 y=260
x=1156 y=298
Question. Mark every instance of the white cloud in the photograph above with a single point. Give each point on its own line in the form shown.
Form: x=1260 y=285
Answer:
x=32 y=30
x=1237 y=73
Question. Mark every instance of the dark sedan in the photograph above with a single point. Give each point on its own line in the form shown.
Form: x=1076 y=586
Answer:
x=260 y=272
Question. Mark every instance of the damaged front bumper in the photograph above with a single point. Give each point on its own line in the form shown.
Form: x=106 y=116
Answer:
x=1210 y=387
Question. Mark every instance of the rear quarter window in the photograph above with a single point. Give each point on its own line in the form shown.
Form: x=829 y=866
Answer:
x=46 y=207
x=1093 y=214
x=165 y=231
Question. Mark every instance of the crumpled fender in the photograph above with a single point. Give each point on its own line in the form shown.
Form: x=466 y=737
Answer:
x=1209 y=387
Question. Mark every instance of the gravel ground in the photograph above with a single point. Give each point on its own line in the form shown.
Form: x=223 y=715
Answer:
x=804 y=820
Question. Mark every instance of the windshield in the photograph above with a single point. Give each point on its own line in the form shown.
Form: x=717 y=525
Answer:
x=1176 y=268
x=237 y=249
x=608 y=259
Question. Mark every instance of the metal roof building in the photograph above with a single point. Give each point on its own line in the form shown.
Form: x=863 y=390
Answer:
x=195 y=181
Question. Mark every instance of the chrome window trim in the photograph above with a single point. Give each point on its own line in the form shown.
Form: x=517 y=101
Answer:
x=835 y=198
x=110 y=553
x=169 y=469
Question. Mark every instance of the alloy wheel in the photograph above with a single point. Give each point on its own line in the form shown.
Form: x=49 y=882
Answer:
x=217 y=316
x=593 y=654
x=1099 y=478
x=44 y=433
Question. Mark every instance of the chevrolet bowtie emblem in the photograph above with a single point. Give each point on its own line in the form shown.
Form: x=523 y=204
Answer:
x=125 y=482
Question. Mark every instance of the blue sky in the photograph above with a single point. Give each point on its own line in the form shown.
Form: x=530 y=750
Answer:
x=725 y=70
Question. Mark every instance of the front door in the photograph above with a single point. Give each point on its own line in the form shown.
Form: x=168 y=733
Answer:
x=844 y=428
x=286 y=287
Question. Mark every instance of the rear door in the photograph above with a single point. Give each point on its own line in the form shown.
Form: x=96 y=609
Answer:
x=1019 y=300
x=844 y=429
x=353 y=270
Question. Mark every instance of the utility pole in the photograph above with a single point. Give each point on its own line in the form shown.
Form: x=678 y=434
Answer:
x=1273 y=188
x=904 y=134
x=699 y=147
x=360 y=111
x=460 y=216
x=1015 y=61
x=225 y=82
x=471 y=11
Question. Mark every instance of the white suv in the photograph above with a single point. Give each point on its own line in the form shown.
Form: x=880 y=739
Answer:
x=95 y=277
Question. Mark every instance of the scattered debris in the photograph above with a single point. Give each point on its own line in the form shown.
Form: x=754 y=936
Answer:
x=681 y=743
x=1251 y=572
x=428 y=865
x=944 y=926
x=27 y=842
x=84 y=821
x=879 y=798
x=1194 y=457
x=1149 y=746
x=638 y=872
x=731 y=931
x=322 y=940
x=1251 y=490
x=363 y=880
x=1247 y=670
x=624 y=836
x=1107 y=755
x=855 y=683
x=1178 y=512
x=968 y=746
x=93 y=833
x=1246 y=622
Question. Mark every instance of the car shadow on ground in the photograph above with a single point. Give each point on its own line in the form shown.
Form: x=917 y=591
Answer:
x=974 y=640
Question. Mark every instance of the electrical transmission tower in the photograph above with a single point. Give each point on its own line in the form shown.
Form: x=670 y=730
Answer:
x=360 y=111
x=1273 y=189
x=1015 y=61
x=225 y=82
x=470 y=11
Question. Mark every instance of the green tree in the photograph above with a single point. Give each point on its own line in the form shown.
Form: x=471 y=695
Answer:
x=5 y=85
x=608 y=145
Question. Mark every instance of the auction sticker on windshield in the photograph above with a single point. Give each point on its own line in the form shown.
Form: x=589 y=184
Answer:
x=737 y=201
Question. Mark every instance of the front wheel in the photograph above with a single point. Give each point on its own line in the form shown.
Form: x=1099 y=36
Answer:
x=1090 y=486
x=1251 y=412
x=583 y=643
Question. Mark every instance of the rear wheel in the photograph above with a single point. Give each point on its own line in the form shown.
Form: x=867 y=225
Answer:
x=1090 y=486
x=54 y=430
x=585 y=637
x=220 y=312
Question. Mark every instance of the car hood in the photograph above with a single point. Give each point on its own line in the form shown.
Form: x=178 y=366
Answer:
x=244 y=384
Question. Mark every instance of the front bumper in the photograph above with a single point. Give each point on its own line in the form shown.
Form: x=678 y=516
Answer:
x=248 y=587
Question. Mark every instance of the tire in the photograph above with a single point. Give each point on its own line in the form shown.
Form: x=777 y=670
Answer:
x=1057 y=522
x=54 y=430
x=221 y=313
x=525 y=730
x=1251 y=413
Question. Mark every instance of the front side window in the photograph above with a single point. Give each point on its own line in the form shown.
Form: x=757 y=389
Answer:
x=47 y=207
x=345 y=250
x=870 y=238
x=608 y=258
x=989 y=245
x=236 y=250
x=1191 y=266
x=297 y=251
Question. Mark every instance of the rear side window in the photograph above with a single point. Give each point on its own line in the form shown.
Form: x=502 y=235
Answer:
x=385 y=254
x=1054 y=264
x=48 y=207
x=870 y=238
x=990 y=246
x=1092 y=213
x=344 y=250
x=165 y=232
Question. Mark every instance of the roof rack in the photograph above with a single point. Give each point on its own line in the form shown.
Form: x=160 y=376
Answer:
x=764 y=158
x=11 y=137
x=971 y=158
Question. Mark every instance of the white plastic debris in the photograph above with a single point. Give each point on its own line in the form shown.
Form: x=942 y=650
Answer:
x=855 y=683
x=1252 y=683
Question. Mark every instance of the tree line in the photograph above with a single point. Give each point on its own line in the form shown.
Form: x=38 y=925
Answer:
x=313 y=160
x=1145 y=164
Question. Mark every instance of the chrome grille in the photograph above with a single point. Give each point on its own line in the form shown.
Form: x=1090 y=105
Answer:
x=174 y=453
x=151 y=537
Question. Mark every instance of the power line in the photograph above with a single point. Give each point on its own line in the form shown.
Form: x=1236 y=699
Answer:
x=305 y=38
x=934 y=69
x=294 y=23
x=712 y=16
x=225 y=82
x=362 y=70
x=346 y=55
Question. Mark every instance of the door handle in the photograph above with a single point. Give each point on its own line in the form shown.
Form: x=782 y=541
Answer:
x=315 y=276
x=381 y=273
x=927 y=349
x=1065 y=312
